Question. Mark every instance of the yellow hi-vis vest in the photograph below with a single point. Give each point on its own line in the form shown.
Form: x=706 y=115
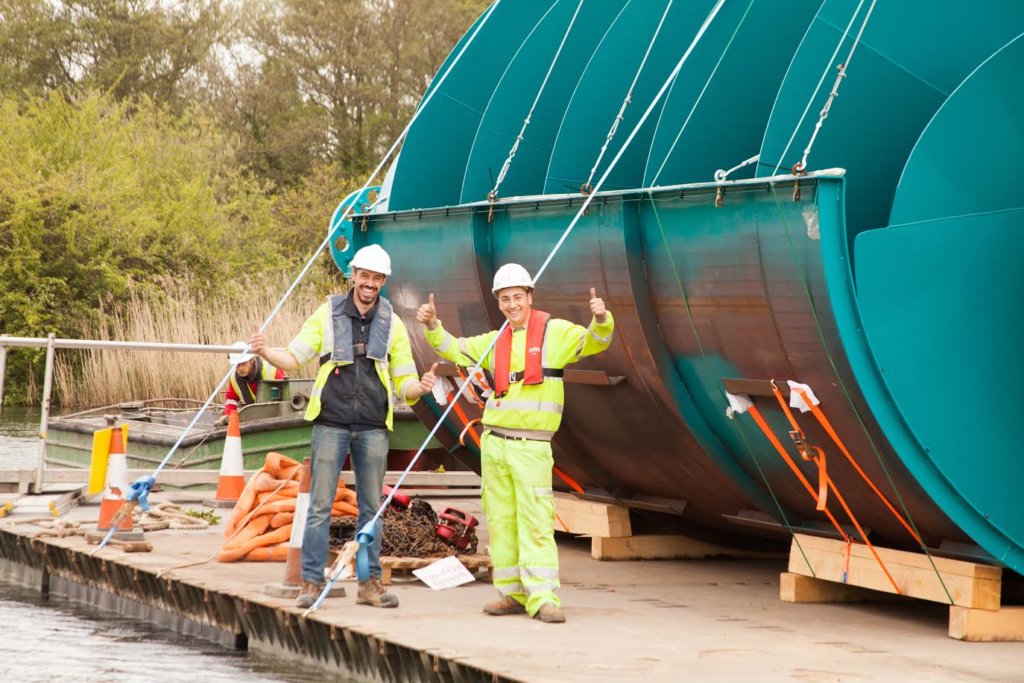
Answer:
x=534 y=411
x=317 y=338
x=245 y=396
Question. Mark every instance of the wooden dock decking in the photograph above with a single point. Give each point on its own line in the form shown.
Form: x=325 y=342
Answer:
x=627 y=621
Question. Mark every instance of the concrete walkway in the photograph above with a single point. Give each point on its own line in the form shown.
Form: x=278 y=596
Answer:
x=627 y=621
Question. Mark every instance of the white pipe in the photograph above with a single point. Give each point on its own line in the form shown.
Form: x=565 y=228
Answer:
x=40 y=342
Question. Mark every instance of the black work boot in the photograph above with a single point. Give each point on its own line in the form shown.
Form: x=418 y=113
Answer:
x=504 y=606
x=308 y=594
x=372 y=592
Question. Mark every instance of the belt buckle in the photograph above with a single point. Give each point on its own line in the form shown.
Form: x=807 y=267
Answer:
x=512 y=378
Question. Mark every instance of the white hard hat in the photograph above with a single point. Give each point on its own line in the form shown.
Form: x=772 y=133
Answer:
x=372 y=257
x=241 y=356
x=511 y=275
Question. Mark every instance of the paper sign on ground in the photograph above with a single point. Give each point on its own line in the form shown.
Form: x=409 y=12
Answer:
x=446 y=573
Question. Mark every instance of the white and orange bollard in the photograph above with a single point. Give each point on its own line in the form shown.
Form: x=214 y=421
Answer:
x=289 y=587
x=231 y=480
x=113 y=493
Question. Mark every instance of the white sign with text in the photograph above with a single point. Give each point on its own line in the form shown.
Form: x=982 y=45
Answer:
x=446 y=573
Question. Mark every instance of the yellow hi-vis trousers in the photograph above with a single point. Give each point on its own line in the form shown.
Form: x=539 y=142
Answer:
x=520 y=510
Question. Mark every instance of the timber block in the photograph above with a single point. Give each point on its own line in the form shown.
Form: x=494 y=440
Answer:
x=665 y=547
x=589 y=518
x=981 y=625
x=800 y=589
x=938 y=579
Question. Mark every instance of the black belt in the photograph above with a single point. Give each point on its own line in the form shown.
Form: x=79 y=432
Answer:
x=514 y=377
x=510 y=438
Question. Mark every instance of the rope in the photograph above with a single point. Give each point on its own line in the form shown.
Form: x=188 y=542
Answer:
x=802 y=166
x=817 y=88
x=625 y=102
x=721 y=175
x=819 y=459
x=140 y=489
x=679 y=134
x=366 y=534
x=241 y=527
x=493 y=194
x=845 y=390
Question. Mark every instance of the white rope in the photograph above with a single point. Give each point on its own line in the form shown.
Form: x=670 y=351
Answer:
x=625 y=102
x=835 y=89
x=220 y=385
x=817 y=88
x=721 y=175
x=493 y=194
x=696 y=103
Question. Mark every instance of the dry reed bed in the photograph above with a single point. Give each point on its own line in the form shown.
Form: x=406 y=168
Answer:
x=97 y=378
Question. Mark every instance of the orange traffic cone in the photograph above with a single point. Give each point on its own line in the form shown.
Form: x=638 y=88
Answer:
x=113 y=494
x=232 y=470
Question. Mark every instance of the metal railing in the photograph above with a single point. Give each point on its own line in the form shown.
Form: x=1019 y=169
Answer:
x=51 y=343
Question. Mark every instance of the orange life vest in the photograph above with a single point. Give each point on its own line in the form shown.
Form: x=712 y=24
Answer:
x=533 y=373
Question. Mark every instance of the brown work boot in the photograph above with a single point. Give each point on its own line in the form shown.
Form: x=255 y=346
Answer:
x=504 y=606
x=550 y=613
x=372 y=592
x=308 y=594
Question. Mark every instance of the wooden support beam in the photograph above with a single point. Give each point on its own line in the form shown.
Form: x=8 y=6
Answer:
x=199 y=477
x=589 y=518
x=665 y=547
x=979 y=625
x=970 y=584
x=797 y=588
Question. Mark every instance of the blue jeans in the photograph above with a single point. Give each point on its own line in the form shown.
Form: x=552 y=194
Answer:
x=330 y=445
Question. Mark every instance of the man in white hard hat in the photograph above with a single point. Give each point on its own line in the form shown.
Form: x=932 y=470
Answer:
x=365 y=358
x=250 y=370
x=520 y=418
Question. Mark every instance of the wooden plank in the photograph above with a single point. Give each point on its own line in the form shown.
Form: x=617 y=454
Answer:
x=797 y=588
x=589 y=518
x=979 y=625
x=198 y=477
x=390 y=563
x=970 y=584
x=665 y=547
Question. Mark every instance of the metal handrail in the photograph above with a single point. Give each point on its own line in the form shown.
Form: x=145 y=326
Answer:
x=51 y=343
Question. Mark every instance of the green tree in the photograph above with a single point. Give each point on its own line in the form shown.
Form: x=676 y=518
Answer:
x=128 y=48
x=96 y=194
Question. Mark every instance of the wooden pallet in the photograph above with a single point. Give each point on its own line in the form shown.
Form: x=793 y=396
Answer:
x=404 y=565
x=611 y=534
x=816 y=567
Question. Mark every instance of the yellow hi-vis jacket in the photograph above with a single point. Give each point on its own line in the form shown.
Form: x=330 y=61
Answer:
x=530 y=411
x=317 y=338
x=243 y=394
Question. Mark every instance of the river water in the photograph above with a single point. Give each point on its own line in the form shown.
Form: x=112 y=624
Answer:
x=54 y=639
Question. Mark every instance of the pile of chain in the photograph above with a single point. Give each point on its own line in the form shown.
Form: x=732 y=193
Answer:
x=407 y=533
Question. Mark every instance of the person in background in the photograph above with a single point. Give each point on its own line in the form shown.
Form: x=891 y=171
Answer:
x=250 y=370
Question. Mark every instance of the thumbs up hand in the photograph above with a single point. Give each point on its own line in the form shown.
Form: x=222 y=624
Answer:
x=597 y=308
x=429 y=379
x=427 y=313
